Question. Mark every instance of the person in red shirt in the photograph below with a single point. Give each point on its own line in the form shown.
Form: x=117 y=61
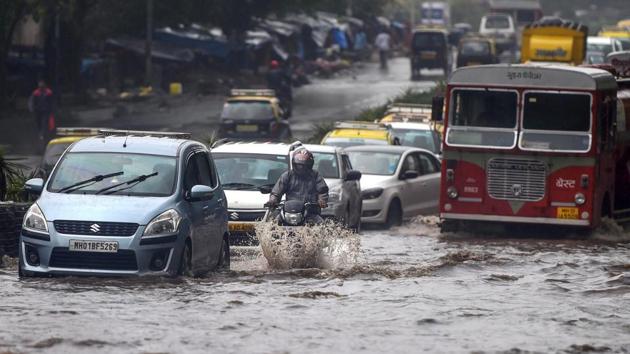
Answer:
x=41 y=103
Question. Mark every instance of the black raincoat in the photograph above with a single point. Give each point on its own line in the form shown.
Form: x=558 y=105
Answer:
x=308 y=187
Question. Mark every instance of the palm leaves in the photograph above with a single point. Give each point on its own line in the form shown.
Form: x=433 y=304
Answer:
x=12 y=178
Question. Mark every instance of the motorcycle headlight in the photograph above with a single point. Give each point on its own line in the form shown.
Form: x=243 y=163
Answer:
x=293 y=218
x=34 y=220
x=165 y=223
x=371 y=193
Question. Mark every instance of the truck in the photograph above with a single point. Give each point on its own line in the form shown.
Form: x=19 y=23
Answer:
x=523 y=12
x=554 y=40
x=535 y=144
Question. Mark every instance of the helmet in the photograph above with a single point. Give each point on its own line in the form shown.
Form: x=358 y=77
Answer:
x=274 y=64
x=303 y=161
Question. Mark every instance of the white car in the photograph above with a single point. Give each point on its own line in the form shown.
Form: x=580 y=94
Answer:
x=415 y=134
x=501 y=28
x=248 y=171
x=344 y=195
x=398 y=182
x=605 y=45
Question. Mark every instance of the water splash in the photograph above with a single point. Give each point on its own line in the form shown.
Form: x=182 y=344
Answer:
x=328 y=245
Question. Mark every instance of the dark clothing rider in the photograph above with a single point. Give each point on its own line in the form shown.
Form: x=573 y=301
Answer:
x=301 y=183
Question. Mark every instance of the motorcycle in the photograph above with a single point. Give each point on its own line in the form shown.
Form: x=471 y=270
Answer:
x=284 y=237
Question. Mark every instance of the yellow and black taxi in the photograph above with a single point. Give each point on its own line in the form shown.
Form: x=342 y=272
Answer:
x=476 y=50
x=253 y=115
x=56 y=147
x=354 y=133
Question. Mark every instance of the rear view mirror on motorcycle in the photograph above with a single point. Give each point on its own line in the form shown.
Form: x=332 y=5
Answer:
x=353 y=175
x=437 y=108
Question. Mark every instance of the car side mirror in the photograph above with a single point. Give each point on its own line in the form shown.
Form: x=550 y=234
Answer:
x=34 y=186
x=437 y=108
x=200 y=192
x=265 y=189
x=410 y=174
x=353 y=175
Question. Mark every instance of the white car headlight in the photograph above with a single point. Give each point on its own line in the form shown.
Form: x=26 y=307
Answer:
x=165 y=223
x=293 y=218
x=335 y=195
x=34 y=220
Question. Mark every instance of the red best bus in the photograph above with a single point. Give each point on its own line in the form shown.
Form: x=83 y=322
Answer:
x=536 y=144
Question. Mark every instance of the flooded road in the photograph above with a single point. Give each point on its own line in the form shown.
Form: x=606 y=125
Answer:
x=410 y=290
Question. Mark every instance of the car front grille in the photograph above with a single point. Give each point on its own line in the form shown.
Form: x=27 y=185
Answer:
x=95 y=228
x=236 y=215
x=516 y=179
x=121 y=260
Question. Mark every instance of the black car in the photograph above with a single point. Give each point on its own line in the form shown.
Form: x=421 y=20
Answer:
x=430 y=50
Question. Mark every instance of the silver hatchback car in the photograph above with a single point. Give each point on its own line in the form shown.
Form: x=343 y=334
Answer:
x=126 y=203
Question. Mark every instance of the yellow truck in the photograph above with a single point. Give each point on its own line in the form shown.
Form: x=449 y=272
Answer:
x=554 y=40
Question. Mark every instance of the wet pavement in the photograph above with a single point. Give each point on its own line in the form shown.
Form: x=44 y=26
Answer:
x=410 y=290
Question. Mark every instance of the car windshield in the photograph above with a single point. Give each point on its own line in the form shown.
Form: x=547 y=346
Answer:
x=605 y=48
x=625 y=43
x=475 y=48
x=326 y=164
x=247 y=110
x=374 y=163
x=428 y=40
x=424 y=139
x=556 y=121
x=346 y=142
x=243 y=171
x=497 y=22
x=53 y=153
x=79 y=166
x=483 y=118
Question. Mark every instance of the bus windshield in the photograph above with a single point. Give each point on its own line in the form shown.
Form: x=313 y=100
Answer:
x=485 y=118
x=555 y=121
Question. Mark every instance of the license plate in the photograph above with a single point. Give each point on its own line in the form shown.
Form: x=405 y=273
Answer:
x=241 y=226
x=247 y=128
x=93 y=246
x=428 y=55
x=567 y=213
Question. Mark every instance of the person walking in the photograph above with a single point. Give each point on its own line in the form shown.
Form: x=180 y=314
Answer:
x=41 y=104
x=383 y=44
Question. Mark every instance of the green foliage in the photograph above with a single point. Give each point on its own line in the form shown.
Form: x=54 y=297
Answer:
x=12 y=178
x=408 y=96
x=319 y=131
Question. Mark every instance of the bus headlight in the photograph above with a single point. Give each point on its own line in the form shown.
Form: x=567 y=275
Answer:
x=452 y=192
x=580 y=199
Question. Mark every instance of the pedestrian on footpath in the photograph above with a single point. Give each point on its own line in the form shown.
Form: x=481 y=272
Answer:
x=41 y=104
x=383 y=44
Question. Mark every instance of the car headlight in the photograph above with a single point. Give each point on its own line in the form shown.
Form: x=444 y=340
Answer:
x=334 y=195
x=371 y=193
x=293 y=218
x=580 y=199
x=34 y=220
x=165 y=223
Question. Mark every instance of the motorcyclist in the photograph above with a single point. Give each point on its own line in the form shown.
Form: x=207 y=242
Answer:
x=301 y=183
x=280 y=81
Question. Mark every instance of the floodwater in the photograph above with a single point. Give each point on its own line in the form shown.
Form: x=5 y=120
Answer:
x=407 y=290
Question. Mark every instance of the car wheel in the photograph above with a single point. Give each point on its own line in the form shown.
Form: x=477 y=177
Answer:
x=22 y=273
x=185 y=265
x=394 y=214
x=224 y=257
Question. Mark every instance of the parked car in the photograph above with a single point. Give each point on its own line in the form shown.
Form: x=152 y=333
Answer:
x=358 y=133
x=397 y=182
x=605 y=45
x=430 y=49
x=248 y=171
x=55 y=147
x=253 y=115
x=344 y=201
x=127 y=203
x=475 y=50
x=501 y=28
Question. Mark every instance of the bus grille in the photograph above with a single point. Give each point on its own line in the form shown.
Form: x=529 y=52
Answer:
x=516 y=179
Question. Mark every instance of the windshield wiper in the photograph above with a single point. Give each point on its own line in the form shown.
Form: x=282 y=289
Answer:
x=84 y=183
x=131 y=183
x=239 y=186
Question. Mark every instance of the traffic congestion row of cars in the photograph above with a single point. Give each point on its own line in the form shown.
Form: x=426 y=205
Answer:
x=119 y=202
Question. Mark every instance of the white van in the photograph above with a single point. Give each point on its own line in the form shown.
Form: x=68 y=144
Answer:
x=501 y=28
